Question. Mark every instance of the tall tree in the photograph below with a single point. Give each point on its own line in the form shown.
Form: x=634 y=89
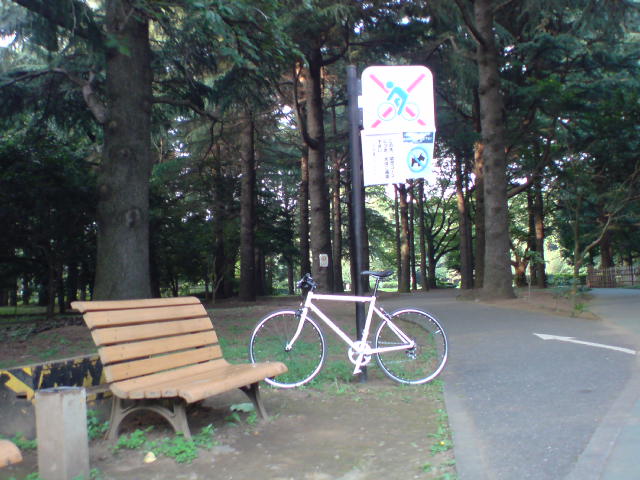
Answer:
x=122 y=269
x=247 y=210
x=497 y=281
x=404 y=274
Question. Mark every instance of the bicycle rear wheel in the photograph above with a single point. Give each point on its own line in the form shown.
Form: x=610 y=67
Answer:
x=304 y=360
x=417 y=365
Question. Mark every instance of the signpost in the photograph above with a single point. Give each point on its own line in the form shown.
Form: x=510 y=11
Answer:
x=396 y=142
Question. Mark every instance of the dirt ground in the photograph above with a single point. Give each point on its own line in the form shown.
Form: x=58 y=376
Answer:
x=341 y=429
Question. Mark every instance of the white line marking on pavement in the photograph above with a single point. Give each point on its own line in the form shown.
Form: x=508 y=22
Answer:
x=573 y=340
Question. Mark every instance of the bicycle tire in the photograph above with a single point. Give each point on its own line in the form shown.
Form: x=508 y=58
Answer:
x=304 y=361
x=422 y=363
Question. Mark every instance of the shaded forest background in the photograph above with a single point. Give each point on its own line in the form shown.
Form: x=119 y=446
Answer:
x=148 y=146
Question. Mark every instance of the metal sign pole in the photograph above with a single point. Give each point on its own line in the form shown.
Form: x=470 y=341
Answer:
x=357 y=197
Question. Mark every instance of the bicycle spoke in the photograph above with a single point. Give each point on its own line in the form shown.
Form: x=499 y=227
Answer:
x=413 y=365
x=306 y=356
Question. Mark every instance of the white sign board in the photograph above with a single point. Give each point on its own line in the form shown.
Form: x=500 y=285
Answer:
x=399 y=123
x=395 y=157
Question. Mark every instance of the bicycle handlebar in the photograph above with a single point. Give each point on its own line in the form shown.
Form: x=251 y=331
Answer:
x=307 y=282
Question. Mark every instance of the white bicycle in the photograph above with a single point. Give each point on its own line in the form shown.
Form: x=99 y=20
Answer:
x=409 y=345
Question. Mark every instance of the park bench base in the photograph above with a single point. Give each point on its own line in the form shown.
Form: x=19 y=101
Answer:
x=163 y=354
x=173 y=410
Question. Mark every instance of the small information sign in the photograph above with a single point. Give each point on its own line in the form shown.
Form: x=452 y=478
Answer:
x=395 y=157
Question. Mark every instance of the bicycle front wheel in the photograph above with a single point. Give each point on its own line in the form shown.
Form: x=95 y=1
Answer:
x=305 y=357
x=416 y=365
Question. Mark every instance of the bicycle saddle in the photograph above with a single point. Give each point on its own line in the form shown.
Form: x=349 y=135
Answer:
x=384 y=274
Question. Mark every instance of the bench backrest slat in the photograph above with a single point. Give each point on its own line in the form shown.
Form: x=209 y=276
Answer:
x=98 y=305
x=106 y=336
x=113 y=318
x=138 y=338
x=157 y=346
x=137 y=368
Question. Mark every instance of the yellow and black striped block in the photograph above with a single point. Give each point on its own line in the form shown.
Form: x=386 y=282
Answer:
x=85 y=371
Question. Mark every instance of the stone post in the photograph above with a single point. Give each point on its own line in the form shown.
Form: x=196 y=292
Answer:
x=61 y=428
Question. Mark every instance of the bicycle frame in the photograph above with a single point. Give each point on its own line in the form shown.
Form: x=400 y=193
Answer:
x=360 y=347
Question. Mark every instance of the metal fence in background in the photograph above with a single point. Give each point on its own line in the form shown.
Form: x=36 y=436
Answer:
x=613 y=277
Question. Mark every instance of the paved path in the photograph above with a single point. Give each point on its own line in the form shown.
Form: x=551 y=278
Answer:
x=525 y=408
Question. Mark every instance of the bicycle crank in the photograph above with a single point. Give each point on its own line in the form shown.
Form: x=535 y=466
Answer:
x=354 y=353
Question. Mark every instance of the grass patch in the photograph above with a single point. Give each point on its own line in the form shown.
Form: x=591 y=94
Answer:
x=177 y=447
x=22 y=442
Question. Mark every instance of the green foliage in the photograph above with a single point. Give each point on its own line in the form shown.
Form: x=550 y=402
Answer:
x=134 y=440
x=251 y=418
x=569 y=76
x=30 y=476
x=442 y=436
x=23 y=443
x=176 y=447
x=95 y=427
x=94 y=474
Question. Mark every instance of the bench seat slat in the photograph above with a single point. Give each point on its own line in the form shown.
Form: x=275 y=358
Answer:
x=123 y=387
x=136 y=368
x=236 y=376
x=106 y=336
x=147 y=348
x=92 y=306
x=214 y=372
x=172 y=388
x=192 y=388
x=113 y=318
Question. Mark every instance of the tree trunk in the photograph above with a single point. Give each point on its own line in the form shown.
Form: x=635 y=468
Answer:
x=218 y=197
x=478 y=170
x=303 y=201
x=422 y=243
x=318 y=191
x=404 y=275
x=606 y=251
x=337 y=226
x=531 y=238
x=122 y=269
x=498 y=282
x=412 y=242
x=431 y=259
x=247 y=291
x=464 y=231
x=538 y=218
x=366 y=287
x=72 y=282
x=290 y=278
x=396 y=218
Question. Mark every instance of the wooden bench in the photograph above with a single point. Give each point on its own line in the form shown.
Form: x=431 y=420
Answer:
x=9 y=453
x=162 y=354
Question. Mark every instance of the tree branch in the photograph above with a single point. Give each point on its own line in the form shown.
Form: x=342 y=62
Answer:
x=299 y=113
x=96 y=107
x=78 y=20
x=471 y=26
x=188 y=104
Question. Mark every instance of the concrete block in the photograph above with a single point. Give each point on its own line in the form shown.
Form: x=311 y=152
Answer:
x=61 y=427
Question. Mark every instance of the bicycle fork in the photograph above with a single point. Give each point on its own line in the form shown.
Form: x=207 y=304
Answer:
x=301 y=315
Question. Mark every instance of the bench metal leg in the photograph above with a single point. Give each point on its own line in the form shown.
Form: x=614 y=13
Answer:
x=176 y=415
x=253 y=392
